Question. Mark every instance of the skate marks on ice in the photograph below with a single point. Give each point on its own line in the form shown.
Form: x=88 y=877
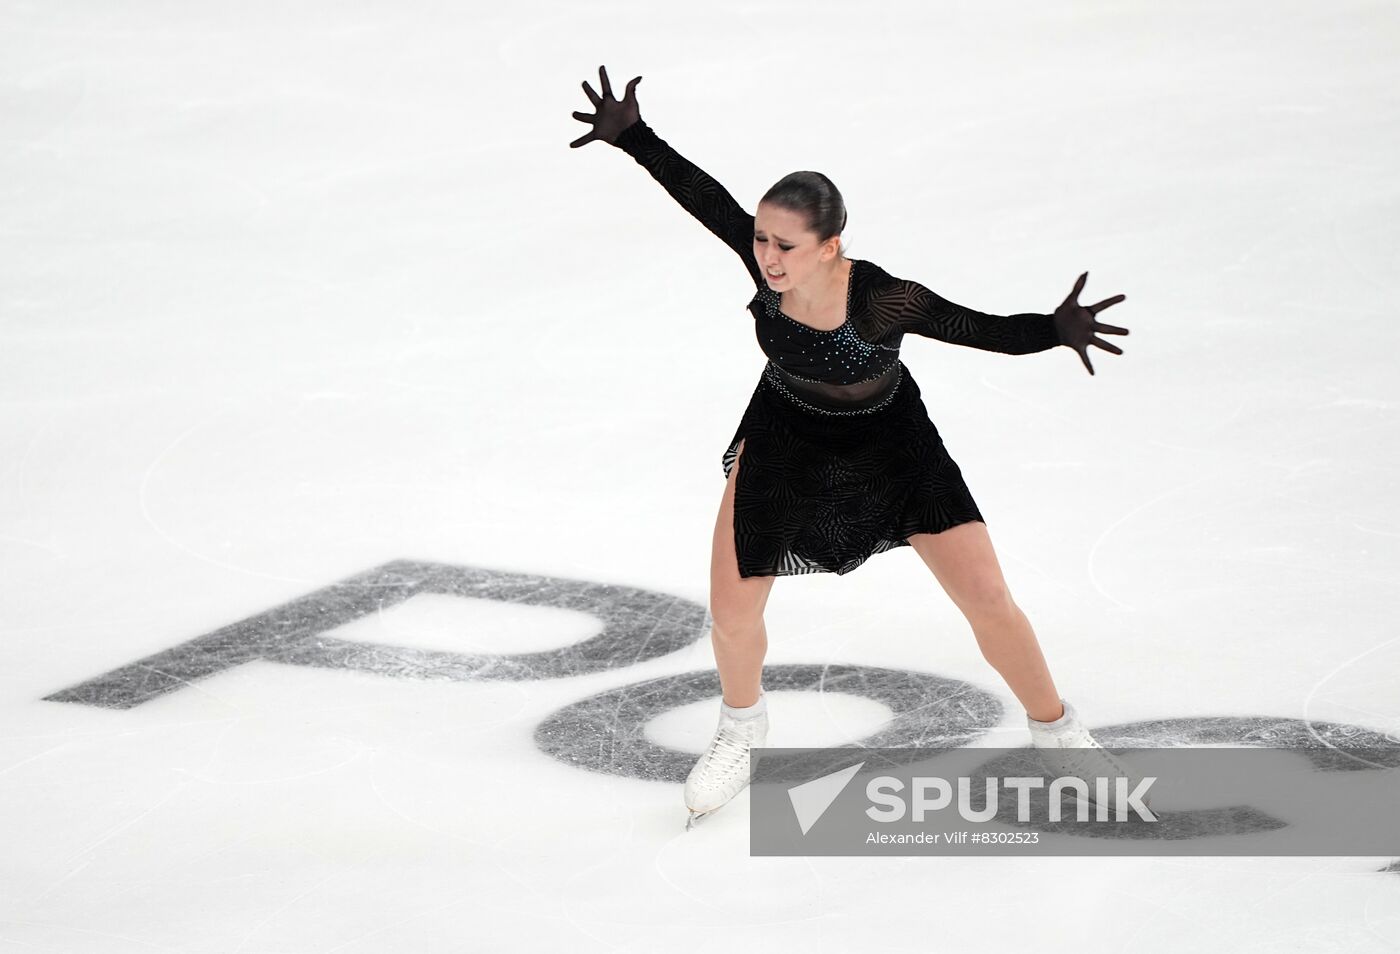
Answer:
x=1353 y=678
x=607 y=731
x=1328 y=747
x=637 y=625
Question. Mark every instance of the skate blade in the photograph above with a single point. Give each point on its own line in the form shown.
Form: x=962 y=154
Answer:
x=695 y=817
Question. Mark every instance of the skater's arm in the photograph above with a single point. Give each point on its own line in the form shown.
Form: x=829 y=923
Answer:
x=922 y=312
x=697 y=193
x=619 y=122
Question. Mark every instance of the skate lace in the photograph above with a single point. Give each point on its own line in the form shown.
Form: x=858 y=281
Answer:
x=728 y=753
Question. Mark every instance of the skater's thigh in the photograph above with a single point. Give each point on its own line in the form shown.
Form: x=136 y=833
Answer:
x=733 y=598
x=966 y=565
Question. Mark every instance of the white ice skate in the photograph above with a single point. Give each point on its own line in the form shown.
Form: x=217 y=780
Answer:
x=723 y=770
x=1067 y=749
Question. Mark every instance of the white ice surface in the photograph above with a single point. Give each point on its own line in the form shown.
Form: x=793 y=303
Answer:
x=290 y=291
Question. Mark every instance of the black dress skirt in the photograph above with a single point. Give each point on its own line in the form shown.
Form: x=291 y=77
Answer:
x=821 y=491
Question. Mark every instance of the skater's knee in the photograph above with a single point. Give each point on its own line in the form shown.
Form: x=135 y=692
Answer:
x=735 y=622
x=988 y=603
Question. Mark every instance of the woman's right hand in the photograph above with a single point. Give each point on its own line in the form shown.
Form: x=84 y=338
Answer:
x=613 y=115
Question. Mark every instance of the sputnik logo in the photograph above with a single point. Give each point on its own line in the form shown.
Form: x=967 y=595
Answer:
x=810 y=800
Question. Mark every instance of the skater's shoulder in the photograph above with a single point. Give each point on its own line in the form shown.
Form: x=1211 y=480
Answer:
x=872 y=276
x=868 y=270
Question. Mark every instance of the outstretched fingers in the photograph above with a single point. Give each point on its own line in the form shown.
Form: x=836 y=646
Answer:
x=1084 y=356
x=1083 y=321
x=1078 y=287
x=609 y=112
x=592 y=133
x=590 y=118
x=1095 y=309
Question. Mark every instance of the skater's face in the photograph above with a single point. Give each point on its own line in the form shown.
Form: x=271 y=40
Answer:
x=782 y=244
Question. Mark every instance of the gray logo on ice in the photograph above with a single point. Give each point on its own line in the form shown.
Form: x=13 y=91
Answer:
x=810 y=800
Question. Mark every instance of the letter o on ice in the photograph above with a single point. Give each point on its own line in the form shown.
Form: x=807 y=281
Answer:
x=607 y=732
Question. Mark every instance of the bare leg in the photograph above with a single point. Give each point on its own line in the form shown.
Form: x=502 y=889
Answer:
x=738 y=636
x=966 y=566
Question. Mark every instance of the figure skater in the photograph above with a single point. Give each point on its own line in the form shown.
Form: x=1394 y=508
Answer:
x=835 y=458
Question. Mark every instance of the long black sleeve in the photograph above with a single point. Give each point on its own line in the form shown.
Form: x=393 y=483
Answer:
x=925 y=313
x=696 y=192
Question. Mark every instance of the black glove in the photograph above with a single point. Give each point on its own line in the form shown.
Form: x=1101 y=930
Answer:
x=1075 y=324
x=613 y=115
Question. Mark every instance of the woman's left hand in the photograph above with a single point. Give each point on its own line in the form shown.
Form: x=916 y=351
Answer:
x=1077 y=328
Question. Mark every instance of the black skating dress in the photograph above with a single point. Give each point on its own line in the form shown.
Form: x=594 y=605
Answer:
x=840 y=460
